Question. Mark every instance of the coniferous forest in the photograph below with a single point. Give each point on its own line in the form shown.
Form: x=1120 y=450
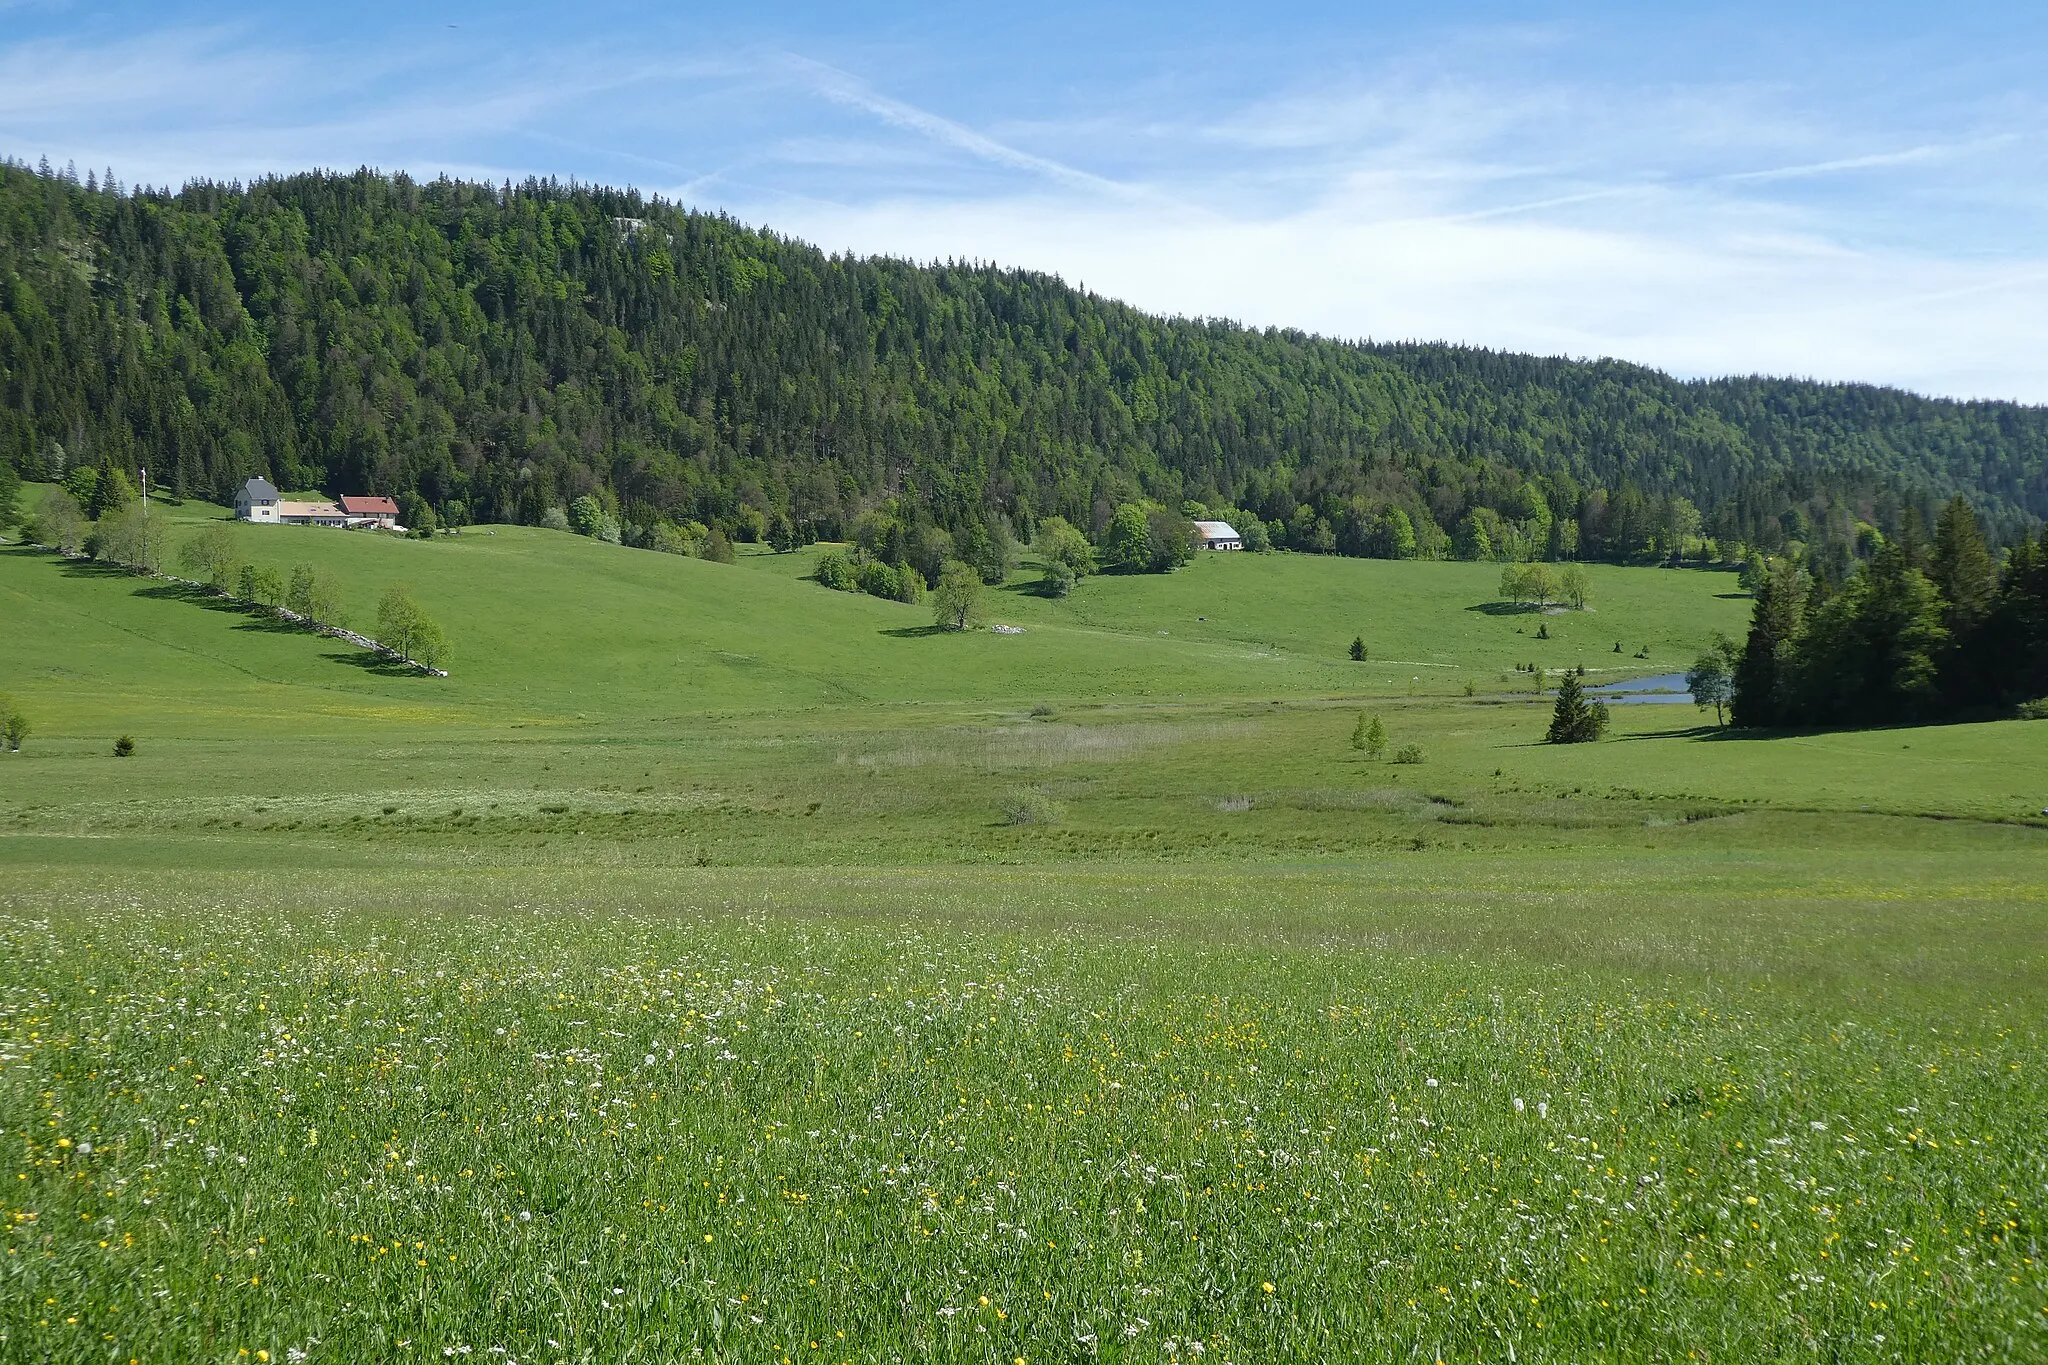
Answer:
x=499 y=352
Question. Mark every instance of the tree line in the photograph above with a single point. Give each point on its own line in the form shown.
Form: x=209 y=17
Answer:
x=504 y=352
x=1928 y=627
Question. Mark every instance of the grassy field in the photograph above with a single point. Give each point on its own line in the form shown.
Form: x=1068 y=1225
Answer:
x=719 y=967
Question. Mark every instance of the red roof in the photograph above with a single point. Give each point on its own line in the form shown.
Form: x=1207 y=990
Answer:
x=368 y=507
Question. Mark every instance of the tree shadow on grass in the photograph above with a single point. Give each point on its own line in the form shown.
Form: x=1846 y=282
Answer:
x=1703 y=731
x=1504 y=608
x=914 y=632
x=382 y=665
x=1733 y=596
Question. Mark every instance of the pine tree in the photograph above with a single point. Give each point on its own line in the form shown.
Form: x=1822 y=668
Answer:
x=1774 y=623
x=1961 y=565
x=1572 y=719
x=1358 y=649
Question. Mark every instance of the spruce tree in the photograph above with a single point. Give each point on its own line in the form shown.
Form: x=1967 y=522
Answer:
x=1573 y=720
x=1774 y=623
x=1961 y=565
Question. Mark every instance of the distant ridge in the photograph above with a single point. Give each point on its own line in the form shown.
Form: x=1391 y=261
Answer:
x=509 y=348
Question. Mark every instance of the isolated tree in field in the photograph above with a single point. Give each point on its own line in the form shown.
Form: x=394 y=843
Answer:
x=1711 y=679
x=1573 y=587
x=1358 y=649
x=1370 y=735
x=1753 y=572
x=403 y=625
x=1573 y=720
x=211 y=554
x=956 y=601
x=1128 y=546
x=13 y=723
x=59 y=522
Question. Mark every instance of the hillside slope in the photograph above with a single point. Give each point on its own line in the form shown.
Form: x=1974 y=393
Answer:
x=503 y=349
x=549 y=627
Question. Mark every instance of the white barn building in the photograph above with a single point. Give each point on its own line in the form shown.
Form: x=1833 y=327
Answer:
x=1218 y=535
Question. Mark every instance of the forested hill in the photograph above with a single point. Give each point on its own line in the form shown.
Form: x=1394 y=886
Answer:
x=501 y=350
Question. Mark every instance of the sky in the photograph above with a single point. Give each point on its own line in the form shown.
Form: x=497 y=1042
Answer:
x=1844 y=191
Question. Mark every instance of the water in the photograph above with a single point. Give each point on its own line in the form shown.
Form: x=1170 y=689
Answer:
x=1664 y=689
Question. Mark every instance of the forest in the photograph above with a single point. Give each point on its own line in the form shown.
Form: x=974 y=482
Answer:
x=1928 y=628
x=497 y=353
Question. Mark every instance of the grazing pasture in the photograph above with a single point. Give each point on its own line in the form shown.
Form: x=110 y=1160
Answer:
x=677 y=980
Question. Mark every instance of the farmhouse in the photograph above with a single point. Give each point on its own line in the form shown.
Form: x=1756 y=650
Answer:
x=1218 y=535
x=258 y=500
x=366 y=511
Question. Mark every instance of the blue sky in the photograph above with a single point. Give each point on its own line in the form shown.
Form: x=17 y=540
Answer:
x=1847 y=191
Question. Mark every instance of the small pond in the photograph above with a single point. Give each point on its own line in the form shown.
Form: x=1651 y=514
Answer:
x=1665 y=689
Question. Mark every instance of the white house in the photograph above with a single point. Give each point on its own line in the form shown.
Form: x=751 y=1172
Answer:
x=257 y=501
x=1218 y=535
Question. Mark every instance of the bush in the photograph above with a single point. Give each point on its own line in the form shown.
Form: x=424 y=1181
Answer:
x=834 y=572
x=555 y=519
x=14 y=725
x=2034 y=710
x=1031 y=808
x=1408 y=753
x=881 y=580
x=124 y=746
x=1058 y=580
x=717 y=548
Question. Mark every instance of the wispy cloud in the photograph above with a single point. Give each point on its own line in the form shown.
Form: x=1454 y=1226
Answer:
x=843 y=88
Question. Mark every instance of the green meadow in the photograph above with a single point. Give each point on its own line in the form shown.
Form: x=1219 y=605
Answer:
x=719 y=967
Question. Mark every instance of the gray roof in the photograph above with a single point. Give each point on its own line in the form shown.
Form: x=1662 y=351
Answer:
x=259 y=490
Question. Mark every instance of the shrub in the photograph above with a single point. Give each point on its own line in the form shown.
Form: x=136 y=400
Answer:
x=59 y=523
x=1408 y=753
x=14 y=725
x=834 y=572
x=1031 y=808
x=2034 y=710
x=124 y=746
x=1058 y=580
x=881 y=580
x=555 y=519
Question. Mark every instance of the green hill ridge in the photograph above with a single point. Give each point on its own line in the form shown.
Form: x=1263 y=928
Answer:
x=498 y=351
